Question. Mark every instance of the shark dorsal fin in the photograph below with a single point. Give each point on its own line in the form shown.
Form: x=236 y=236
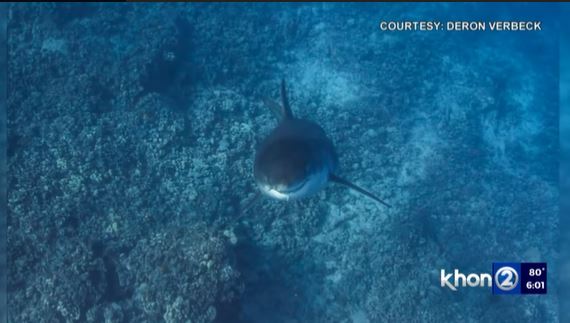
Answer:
x=285 y=108
x=274 y=106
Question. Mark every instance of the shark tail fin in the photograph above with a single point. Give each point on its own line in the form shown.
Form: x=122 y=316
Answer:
x=359 y=189
x=285 y=108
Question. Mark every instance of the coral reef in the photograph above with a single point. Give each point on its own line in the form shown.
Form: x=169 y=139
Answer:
x=131 y=134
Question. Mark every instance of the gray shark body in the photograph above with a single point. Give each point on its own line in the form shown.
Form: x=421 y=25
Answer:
x=297 y=159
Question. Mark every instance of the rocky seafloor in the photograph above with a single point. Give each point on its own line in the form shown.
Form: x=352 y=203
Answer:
x=131 y=135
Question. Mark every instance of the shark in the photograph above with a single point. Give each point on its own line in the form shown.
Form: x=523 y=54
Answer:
x=297 y=159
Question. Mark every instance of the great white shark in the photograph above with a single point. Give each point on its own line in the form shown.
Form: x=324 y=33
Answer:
x=297 y=159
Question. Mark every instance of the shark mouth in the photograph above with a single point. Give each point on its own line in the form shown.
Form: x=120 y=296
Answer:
x=296 y=187
x=282 y=192
x=306 y=187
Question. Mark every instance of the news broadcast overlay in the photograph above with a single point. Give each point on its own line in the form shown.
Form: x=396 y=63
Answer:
x=500 y=26
x=507 y=278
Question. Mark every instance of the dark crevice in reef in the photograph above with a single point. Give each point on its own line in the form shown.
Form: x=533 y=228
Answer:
x=70 y=226
x=113 y=291
x=169 y=71
x=229 y=312
x=15 y=143
x=269 y=295
x=103 y=97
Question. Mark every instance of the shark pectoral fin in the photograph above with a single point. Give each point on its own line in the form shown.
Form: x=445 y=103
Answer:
x=275 y=107
x=359 y=189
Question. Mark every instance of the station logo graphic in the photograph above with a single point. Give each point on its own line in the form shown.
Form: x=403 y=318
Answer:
x=507 y=278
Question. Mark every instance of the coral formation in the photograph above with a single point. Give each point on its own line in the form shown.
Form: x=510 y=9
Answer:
x=132 y=131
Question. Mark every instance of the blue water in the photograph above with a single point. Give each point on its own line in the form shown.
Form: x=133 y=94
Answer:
x=132 y=131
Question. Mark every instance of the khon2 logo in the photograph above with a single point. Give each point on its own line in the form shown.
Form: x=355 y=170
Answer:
x=507 y=278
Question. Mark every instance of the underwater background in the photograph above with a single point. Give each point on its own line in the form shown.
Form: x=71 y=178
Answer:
x=131 y=135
